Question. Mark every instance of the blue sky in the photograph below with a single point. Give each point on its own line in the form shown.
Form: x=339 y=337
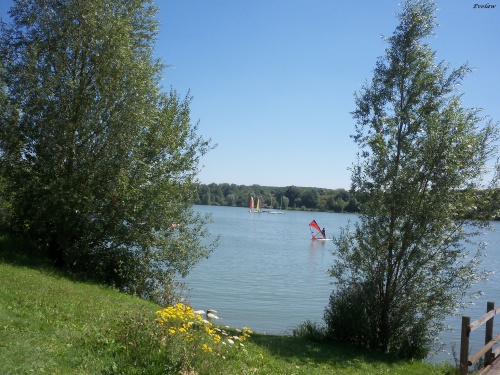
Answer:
x=273 y=80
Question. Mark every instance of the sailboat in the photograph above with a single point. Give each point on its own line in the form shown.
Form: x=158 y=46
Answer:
x=317 y=233
x=257 y=205
x=270 y=211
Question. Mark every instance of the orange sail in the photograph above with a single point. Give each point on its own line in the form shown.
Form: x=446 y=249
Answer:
x=251 y=204
x=316 y=232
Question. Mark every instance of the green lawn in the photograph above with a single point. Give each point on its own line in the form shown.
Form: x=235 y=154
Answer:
x=50 y=324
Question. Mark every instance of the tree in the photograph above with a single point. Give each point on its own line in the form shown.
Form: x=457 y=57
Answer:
x=309 y=198
x=285 y=201
x=292 y=193
x=231 y=200
x=7 y=117
x=352 y=206
x=100 y=164
x=422 y=160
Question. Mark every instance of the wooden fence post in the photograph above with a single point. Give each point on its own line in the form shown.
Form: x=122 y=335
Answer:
x=464 y=346
x=488 y=336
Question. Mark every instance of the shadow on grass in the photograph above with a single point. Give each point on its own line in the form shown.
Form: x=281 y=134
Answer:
x=20 y=252
x=305 y=351
x=17 y=251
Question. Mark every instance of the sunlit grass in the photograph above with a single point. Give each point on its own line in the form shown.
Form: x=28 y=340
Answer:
x=50 y=324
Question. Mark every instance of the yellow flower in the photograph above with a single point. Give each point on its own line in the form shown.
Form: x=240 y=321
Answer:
x=206 y=348
x=261 y=356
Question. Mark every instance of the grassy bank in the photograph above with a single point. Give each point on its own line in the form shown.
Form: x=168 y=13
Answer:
x=51 y=324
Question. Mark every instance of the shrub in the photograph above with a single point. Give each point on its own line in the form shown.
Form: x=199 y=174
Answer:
x=310 y=330
x=352 y=317
x=347 y=319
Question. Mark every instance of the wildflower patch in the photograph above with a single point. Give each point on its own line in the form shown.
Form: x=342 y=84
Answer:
x=182 y=321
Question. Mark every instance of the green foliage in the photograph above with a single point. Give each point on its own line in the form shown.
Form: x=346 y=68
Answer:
x=310 y=330
x=291 y=197
x=99 y=164
x=349 y=318
x=420 y=174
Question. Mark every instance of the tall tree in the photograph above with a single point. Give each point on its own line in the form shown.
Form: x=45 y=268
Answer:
x=100 y=163
x=422 y=160
x=7 y=116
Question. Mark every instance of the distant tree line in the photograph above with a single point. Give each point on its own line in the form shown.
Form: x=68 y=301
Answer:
x=290 y=197
x=306 y=198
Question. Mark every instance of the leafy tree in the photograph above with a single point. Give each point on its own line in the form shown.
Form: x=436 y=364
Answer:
x=7 y=116
x=231 y=200
x=338 y=205
x=292 y=193
x=206 y=199
x=100 y=164
x=216 y=194
x=285 y=201
x=342 y=194
x=422 y=160
x=309 y=198
x=352 y=206
x=324 y=202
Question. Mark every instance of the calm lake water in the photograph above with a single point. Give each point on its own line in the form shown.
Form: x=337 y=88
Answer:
x=267 y=274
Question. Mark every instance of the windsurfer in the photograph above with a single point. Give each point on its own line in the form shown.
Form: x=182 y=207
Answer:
x=323 y=232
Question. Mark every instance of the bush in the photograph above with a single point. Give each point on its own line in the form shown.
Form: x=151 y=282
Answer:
x=310 y=330
x=353 y=315
x=347 y=317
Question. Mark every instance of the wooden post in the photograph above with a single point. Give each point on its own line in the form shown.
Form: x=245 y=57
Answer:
x=464 y=346
x=488 y=334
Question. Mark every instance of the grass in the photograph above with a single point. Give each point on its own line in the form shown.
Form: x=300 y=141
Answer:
x=50 y=324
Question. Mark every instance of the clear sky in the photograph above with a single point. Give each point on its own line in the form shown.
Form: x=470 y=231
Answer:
x=273 y=80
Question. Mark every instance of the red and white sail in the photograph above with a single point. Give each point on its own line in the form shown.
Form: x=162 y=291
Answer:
x=316 y=232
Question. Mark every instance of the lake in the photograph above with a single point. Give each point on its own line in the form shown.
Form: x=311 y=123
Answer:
x=267 y=274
